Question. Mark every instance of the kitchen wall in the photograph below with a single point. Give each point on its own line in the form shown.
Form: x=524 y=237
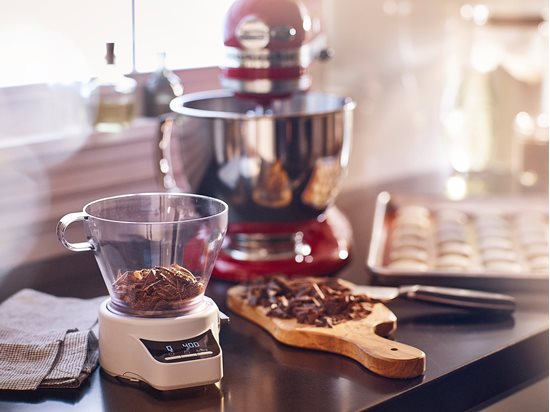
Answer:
x=392 y=57
x=390 y=62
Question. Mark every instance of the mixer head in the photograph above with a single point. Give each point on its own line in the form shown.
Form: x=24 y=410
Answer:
x=269 y=45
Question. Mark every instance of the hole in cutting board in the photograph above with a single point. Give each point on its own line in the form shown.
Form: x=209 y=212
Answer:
x=394 y=349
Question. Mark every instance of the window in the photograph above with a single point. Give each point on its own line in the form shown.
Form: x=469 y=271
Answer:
x=49 y=48
x=64 y=40
x=189 y=31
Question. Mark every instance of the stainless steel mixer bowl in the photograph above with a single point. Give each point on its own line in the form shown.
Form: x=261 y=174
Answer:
x=277 y=162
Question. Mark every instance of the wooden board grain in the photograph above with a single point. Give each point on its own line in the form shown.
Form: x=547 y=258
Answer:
x=362 y=340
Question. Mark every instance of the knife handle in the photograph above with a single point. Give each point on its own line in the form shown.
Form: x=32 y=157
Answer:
x=495 y=303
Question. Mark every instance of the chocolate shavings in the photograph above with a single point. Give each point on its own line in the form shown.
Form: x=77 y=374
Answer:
x=323 y=302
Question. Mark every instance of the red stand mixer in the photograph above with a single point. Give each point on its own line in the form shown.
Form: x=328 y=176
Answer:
x=276 y=153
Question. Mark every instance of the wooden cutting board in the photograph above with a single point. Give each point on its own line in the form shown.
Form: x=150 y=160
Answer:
x=362 y=340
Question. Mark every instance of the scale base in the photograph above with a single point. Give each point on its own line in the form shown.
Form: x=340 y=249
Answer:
x=164 y=353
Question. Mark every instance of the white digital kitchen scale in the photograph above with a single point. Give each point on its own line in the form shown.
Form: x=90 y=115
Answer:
x=165 y=353
x=156 y=252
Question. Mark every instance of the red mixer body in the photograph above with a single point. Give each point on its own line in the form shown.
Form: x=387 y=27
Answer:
x=275 y=14
x=269 y=46
x=317 y=247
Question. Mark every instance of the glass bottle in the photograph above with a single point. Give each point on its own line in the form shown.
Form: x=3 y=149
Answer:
x=112 y=96
x=160 y=88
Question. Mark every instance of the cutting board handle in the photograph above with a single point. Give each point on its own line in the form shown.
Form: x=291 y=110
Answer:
x=386 y=357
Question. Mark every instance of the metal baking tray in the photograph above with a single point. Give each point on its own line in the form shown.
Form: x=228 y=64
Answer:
x=379 y=263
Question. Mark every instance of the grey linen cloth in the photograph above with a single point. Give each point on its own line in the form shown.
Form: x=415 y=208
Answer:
x=47 y=341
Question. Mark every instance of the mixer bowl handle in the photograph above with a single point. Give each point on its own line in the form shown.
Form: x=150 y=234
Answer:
x=164 y=156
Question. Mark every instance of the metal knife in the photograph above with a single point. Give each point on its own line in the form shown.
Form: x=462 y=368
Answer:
x=495 y=303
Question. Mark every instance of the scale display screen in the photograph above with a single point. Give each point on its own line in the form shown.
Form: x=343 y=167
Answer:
x=199 y=347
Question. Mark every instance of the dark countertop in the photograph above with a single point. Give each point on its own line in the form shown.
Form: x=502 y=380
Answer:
x=471 y=360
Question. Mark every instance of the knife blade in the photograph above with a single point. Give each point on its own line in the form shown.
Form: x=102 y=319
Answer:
x=474 y=300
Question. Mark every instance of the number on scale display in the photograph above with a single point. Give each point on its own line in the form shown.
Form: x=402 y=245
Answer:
x=201 y=346
x=186 y=345
x=190 y=345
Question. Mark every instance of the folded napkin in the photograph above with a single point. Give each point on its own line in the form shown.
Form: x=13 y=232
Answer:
x=46 y=341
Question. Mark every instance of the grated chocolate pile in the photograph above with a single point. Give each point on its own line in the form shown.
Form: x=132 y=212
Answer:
x=323 y=302
x=157 y=289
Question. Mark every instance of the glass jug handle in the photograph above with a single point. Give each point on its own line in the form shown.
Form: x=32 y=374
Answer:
x=62 y=226
x=164 y=156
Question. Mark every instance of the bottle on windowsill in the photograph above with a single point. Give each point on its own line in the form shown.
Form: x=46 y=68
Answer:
x=160 y=88
x=112 y=96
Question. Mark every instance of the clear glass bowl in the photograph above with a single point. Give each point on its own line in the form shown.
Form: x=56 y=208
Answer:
x=155 y=251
